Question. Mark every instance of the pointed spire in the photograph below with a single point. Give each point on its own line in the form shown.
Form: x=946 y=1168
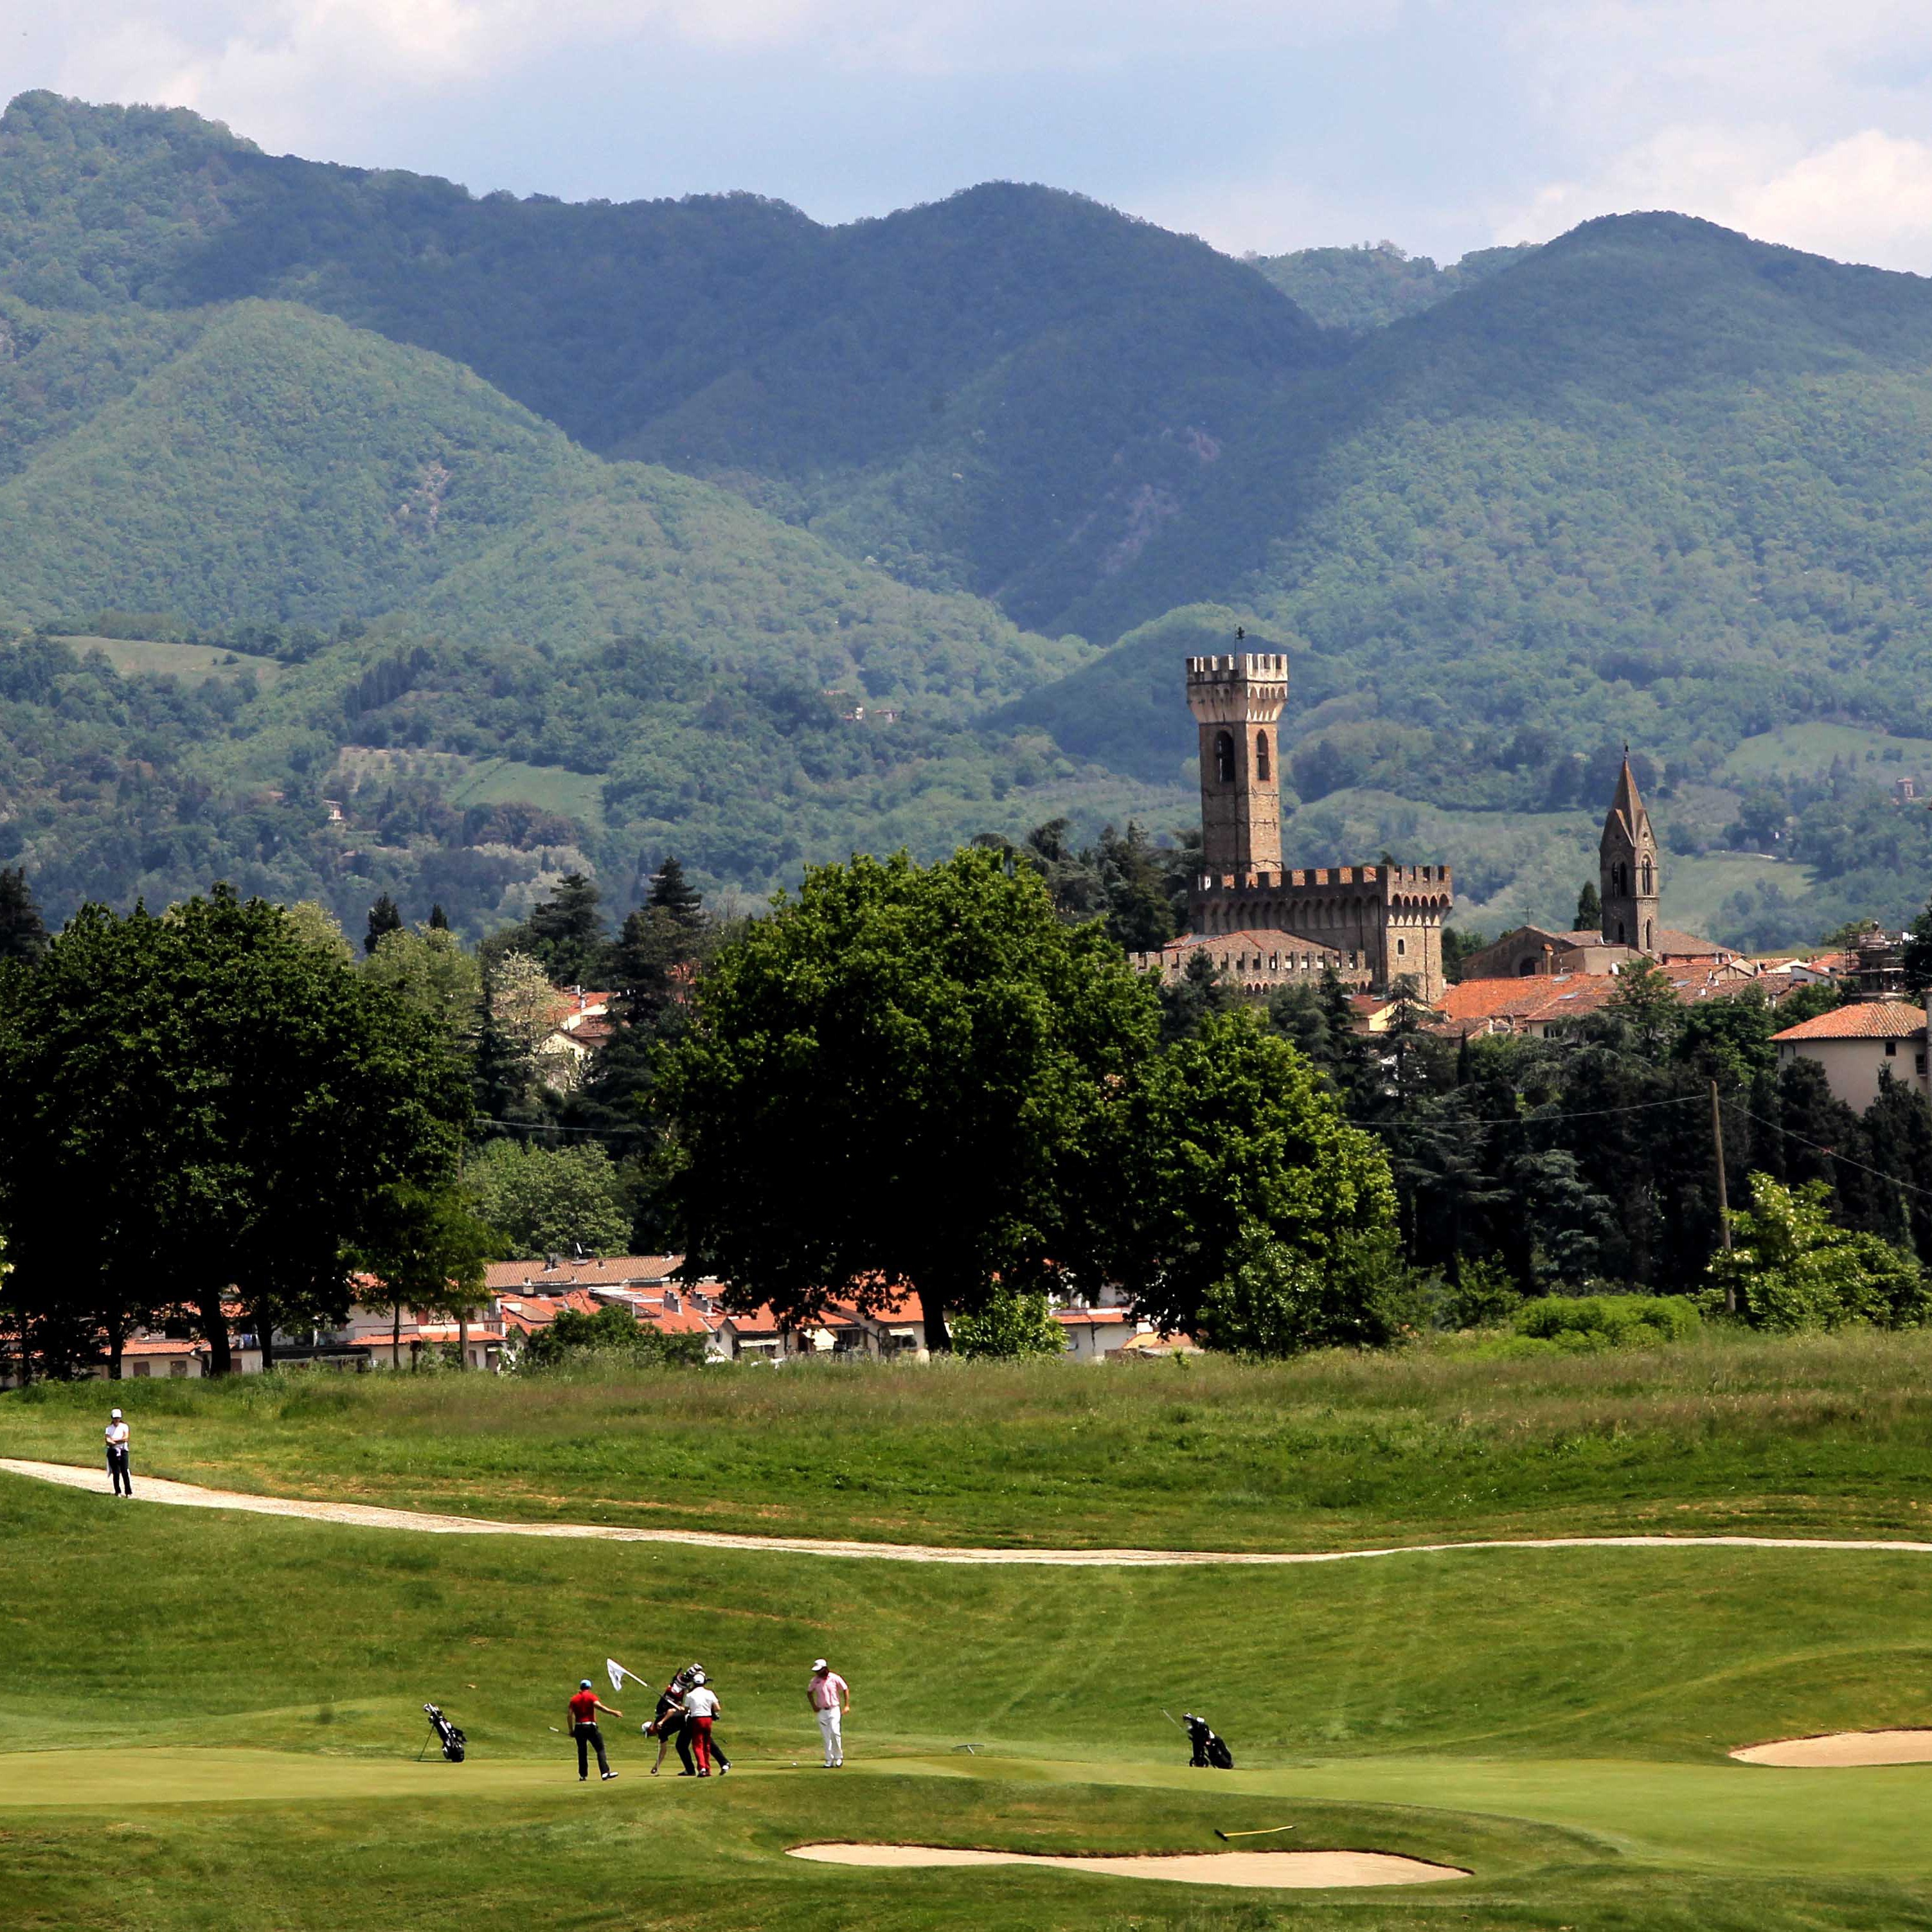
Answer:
x=1627 y=800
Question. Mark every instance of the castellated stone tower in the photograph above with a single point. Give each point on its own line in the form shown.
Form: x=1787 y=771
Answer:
x=1237 y=703
x=1632 y=879
x=1373 y=924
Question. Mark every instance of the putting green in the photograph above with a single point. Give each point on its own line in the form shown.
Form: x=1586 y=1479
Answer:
x=1712 y=1816
x=54 y=1779
x=1702 y=1816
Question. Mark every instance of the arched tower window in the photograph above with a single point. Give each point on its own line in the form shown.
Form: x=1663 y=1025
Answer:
x=1224 y=758
x=1621 y=939
x=1646 y=878
x=1649 y=935
x=1617 y=884
x=1262 y=770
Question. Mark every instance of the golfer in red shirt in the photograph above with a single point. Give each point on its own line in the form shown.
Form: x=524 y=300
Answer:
x=584 y=1709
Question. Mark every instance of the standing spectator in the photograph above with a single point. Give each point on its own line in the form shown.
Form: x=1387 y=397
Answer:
x=584 y=1709
x=701 y=1708
x=117 y=1455
x=830 y=1695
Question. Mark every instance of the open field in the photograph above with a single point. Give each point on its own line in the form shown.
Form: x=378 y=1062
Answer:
x=210 y=1721
x=1802 y=749
x=154 y=657
x=1829 y=1435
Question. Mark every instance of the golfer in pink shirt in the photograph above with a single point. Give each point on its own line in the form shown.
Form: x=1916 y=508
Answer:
x=830 y=1696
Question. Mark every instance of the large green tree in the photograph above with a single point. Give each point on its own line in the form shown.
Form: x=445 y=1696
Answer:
x=221 y=1105
x=1245 y=1187
x=898 y=1081
x=549 y=1200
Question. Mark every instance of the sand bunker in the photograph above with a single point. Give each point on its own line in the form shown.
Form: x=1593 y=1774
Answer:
x=1843 y=1748
x=1282 y=1871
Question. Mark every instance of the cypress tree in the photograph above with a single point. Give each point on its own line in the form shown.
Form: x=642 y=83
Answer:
x=384 y=917
x=23 y=936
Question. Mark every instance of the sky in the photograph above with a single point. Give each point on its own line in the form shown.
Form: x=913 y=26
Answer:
x=1443 y=125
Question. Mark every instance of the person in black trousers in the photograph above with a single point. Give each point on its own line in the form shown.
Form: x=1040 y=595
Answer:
x=584 y=1709
x=117 y=1456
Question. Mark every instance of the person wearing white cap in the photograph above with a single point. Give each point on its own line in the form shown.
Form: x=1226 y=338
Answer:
x=831 y=1697
x=117 y=1455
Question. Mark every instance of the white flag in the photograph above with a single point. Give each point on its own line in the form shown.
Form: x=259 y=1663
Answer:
x=618 y=1674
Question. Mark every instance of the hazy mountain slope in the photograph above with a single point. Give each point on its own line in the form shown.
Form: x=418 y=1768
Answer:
x=1005 y=392
x=518 y=657
x=1365 y=287
x=283 y=466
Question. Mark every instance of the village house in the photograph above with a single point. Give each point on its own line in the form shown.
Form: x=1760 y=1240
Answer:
x=1858 y=1045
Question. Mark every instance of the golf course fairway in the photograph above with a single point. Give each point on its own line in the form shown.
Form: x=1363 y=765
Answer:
x=214 y=1719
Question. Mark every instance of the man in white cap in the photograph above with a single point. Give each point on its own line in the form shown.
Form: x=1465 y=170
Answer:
x=831 y=1697
x=117 y=1455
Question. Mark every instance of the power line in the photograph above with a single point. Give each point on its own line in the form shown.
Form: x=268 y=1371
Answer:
x=1538 y=1119
x=1831 y=1153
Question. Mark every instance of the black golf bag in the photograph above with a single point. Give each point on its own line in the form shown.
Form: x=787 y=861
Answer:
x=453 y=1745
x=1209 y=1750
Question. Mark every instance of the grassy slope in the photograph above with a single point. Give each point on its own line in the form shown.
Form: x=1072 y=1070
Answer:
x=1830 y=1436
x=244 y=1735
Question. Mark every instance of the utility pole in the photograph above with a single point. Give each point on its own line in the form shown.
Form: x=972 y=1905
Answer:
x=1724 y=1193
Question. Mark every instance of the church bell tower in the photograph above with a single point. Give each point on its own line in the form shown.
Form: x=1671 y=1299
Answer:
x=1631 y=877
x=1237 y=703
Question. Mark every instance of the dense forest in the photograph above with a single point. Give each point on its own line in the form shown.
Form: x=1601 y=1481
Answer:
x=497 y=537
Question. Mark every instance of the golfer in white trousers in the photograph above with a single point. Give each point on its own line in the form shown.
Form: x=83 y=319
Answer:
x=830 y=1696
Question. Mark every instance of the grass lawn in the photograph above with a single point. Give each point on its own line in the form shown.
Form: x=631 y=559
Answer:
x=210 y=1721
x=1827 y=1436
x=1800 y=750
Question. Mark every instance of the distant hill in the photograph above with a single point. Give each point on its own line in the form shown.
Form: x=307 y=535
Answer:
x=990 y=465
x=1369 y=287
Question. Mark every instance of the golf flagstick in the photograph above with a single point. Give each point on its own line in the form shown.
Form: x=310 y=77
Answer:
x=618 y=1673
x=1267 y=1832
x=1174 y=1721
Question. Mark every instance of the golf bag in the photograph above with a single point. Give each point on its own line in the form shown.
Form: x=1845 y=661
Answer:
x=1209 y=1750
x=453 y=1745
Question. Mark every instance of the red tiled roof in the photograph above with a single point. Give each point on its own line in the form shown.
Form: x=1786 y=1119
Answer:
x=1095 y=1318
x=1869 y=1019
x=606 y=1271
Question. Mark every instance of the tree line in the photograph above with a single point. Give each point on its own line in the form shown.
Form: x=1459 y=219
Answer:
x=944 y=1082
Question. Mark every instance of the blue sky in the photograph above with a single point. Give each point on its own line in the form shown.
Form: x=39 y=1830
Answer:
x=1441 y=125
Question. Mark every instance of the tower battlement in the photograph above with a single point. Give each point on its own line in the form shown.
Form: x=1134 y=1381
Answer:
x=1249 y=689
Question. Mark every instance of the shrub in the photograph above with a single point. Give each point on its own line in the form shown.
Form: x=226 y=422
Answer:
x=1582 y=1324
x=1793 y=1269
x=614 y=1331
x=1277 y=1300
x=1011 y=1325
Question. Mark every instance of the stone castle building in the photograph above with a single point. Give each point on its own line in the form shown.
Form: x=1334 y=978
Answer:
x=1372 y=924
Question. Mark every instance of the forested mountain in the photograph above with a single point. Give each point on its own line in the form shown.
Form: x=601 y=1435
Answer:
x=1370 y=287
x=990 y=465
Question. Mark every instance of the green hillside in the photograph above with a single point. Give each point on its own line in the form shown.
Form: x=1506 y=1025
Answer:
x=1368 y=287
x=1651 y=482
x=413 y=561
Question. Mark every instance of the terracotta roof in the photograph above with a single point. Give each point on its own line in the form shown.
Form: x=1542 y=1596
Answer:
x=1486 y=999
x=159 y=1345
x=1096 y=1317
x=1249 y=939
x=607 y=1271
x=1688 y=946
x=1869 y=1019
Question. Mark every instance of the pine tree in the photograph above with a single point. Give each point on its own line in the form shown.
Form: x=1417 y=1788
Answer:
x=671 y=891
x=1589 y=910
x=23 y=935
x=384 y=917
x=439 y=920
